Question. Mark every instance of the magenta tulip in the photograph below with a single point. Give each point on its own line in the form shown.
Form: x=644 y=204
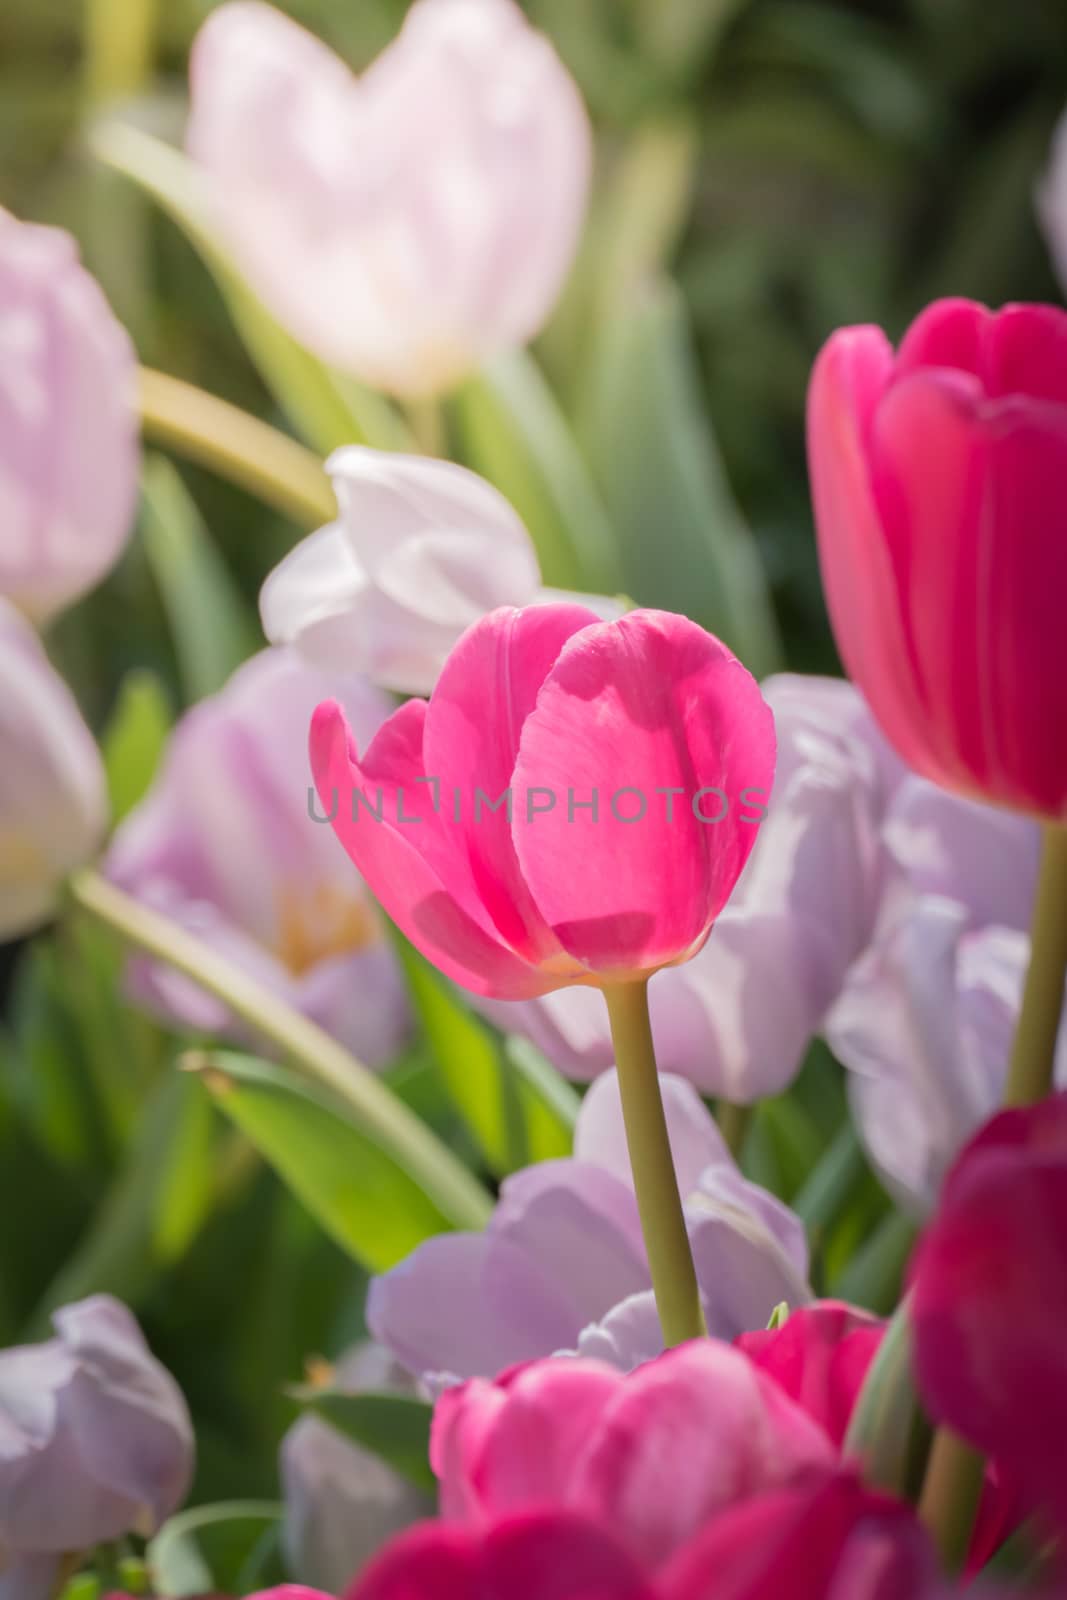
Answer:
x=410 y=223
x=68 y=423
x=573 y=804
x=939 y=476
x=820 y=1357
x=540 y=1556
x=654 y=1453
x=990 y=1301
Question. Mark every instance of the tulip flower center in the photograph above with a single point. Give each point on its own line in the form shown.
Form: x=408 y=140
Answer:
x=319 y=922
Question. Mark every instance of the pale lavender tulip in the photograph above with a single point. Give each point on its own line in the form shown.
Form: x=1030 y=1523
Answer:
x=420 y=550
x=53 y=796
x=68 y=423
x=927 y=1014
x=737 y=1019
x=95 y=1440
x=341 y=1501
x=564 y=1250
x=226 y=844
x=410 y=223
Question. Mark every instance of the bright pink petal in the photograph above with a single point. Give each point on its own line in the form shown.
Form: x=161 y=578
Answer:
x=819 y=1357
x=686 y=1436
x=423 y=884
x=546 y=1556
x=1021 y=350
x=499 y=1449
x=971 y=496
x=850 y=379
x=485 y=693
x=648 y=703
x=831 y=1539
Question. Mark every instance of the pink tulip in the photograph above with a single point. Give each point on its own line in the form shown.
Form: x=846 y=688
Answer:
x=633 y=757
x=408 y=224
x=820 y=1357
x=990 y=1301
x=53 y=794
x=541 y=1556
x=940 y=480
x=654 y=1453
x=68 y=423
x=827 y=1539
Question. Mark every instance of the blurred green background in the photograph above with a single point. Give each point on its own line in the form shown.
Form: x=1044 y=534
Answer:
x=792 y=165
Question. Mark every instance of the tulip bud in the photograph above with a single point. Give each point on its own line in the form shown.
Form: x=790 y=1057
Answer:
x=68 y=423
x=408 y=224
x=53 y=802
x=939 y=473
x=97 y=1441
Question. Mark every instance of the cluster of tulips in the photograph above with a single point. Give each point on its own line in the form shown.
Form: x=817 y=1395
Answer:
x=637 y=1397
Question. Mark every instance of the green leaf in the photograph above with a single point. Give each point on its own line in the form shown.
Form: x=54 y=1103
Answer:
x=515 y=435
x=360 y=1195
x=873 y=1276
x=226 y=1548
x=154 y=1209
x=888 y=1432
x=684 y=544
x=516 y=1107
x=134 y=739
x=395 y=1427
x=210 y=622
x=326 y=408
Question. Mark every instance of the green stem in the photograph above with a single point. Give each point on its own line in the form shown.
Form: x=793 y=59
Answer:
x=670 y=1259
x=951 y=1492
x=1034 y=1051
x=734 y=1122
x=248 y=452
x=119 y=48
x=426 y=419
x=412 y=1144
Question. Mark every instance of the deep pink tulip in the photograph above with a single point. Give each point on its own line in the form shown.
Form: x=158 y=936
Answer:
x=989 y=1281
x=828 y=1539
x=939 y=476
x=548 y=712
x=820 y=1357
x=653 y=1453
x=541 y=1556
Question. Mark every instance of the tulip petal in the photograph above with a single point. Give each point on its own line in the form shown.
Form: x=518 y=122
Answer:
x=1020 y=350
x=648 y=703
x=411 y=865
x=478 y=710
x=850 y=378
x=970 y=497
x=820 y=1357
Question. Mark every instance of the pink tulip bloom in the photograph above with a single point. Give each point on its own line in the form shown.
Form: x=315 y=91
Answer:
x=538 y=1556
x=68 y=423
x=989 y=1285
x=939 y=476
x=408 y=224
x=626 y=761
x=655 y=1453
x=827 y=1539
x=820 y=1357
x=53 y=794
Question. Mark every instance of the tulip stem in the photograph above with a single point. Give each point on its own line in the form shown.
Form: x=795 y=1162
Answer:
x=426 y=419
x=388 y=1120
x=1034 y=1051
x=952 y=1490
x=250 y=453
x=659 y=1203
